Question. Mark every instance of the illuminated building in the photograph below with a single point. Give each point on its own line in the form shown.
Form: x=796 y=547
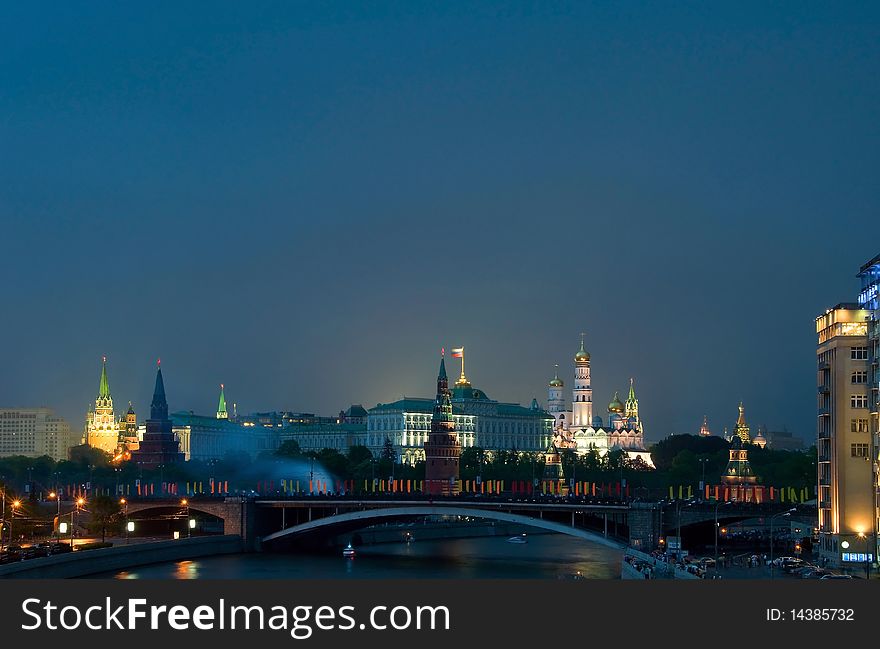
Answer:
x=741 y=429
x=704 y=429
x=128 y=430
x=759 y=439
x=844 y=444
x=739 y=470
x=102 y=429
x=159 y=445
x=869 y=300
x=34 y=432
x=206 y=438
x=578 y=428
x=479 y=421
x=553 y=471
x=442 y=449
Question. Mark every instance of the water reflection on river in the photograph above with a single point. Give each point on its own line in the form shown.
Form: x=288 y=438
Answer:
x=545 y=556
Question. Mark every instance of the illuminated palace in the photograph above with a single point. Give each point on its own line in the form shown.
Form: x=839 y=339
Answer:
x=579 y=429
x=103 y=431
x=479 y=421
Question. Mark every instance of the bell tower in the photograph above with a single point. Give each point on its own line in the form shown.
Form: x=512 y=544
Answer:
x=582 y=394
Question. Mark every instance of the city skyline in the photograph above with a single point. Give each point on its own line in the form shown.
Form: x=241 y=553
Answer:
x=306 y=203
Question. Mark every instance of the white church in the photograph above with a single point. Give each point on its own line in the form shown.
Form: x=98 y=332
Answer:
x=579 y=429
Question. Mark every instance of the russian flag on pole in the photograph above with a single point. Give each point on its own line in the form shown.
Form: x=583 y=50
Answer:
x=458 y=352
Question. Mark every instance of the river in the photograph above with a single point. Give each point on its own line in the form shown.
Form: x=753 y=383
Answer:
x=545 y=556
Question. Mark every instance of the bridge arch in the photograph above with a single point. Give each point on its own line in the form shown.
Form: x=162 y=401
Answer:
x=389 y=513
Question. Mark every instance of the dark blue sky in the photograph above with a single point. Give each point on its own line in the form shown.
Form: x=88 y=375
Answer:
x=306 y=200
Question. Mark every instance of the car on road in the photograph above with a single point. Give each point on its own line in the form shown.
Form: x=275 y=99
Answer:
x=836 y=577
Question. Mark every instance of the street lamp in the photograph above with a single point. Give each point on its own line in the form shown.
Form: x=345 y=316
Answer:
x=57 y=496
x=788 y=513
x=124 y=503
x=717 y=504
x=189 y=527
x=864 y=537
x=703 y=461
x=15 y=505
x=678 y=523
x=79 y=503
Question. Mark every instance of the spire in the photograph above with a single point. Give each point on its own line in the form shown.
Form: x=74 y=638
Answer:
x=159 y=406
x=442 y=375
x=104 y=387
x=632 y=404
x=221 y=408
x=742 y=428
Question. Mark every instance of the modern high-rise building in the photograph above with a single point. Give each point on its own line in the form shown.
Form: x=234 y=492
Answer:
x=34 y=432
x=844 y=445
x=869 y=300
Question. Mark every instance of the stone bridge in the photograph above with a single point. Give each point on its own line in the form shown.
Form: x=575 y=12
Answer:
x=639 y=524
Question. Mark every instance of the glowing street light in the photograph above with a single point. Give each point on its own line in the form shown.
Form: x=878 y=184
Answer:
x=191 y=525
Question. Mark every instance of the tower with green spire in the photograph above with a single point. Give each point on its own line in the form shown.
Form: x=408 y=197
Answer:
x=102 y=429
x=221 y=407
x=631 y=408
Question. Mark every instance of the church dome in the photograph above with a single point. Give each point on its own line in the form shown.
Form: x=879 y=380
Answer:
x=615 y=405
x=556 y=382
x=582 y=355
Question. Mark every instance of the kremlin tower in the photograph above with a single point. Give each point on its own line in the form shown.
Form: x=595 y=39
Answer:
x=221 y=407
x=443 y=448
x=159 y=446
x=102 y=431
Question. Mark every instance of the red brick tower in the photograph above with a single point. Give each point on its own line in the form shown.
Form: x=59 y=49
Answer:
x=443 y=449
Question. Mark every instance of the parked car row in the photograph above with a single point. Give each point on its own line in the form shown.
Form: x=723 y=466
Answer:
x=13 y=553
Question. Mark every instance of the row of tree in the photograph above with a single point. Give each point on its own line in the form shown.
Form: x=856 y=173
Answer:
x=679 y=459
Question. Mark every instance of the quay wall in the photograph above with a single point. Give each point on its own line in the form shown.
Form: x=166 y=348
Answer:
x=89 y=562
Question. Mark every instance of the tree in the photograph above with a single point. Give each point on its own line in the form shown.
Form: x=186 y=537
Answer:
x=289 y=448
x=105 y=512
x=387 y=450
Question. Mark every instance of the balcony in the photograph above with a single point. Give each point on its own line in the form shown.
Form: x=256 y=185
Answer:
x=824 y=365
x=824 y=504
x=824 y=412
x=824 y=389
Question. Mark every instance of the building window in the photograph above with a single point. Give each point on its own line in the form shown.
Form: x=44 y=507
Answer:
x=859 y=450
x=860 y=376
x=859 y=353
x=858 y=425
x=858 y=401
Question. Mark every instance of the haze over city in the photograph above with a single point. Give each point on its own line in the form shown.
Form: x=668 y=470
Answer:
x=306 y=202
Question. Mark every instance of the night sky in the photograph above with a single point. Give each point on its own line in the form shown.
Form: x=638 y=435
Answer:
x=305 y=201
